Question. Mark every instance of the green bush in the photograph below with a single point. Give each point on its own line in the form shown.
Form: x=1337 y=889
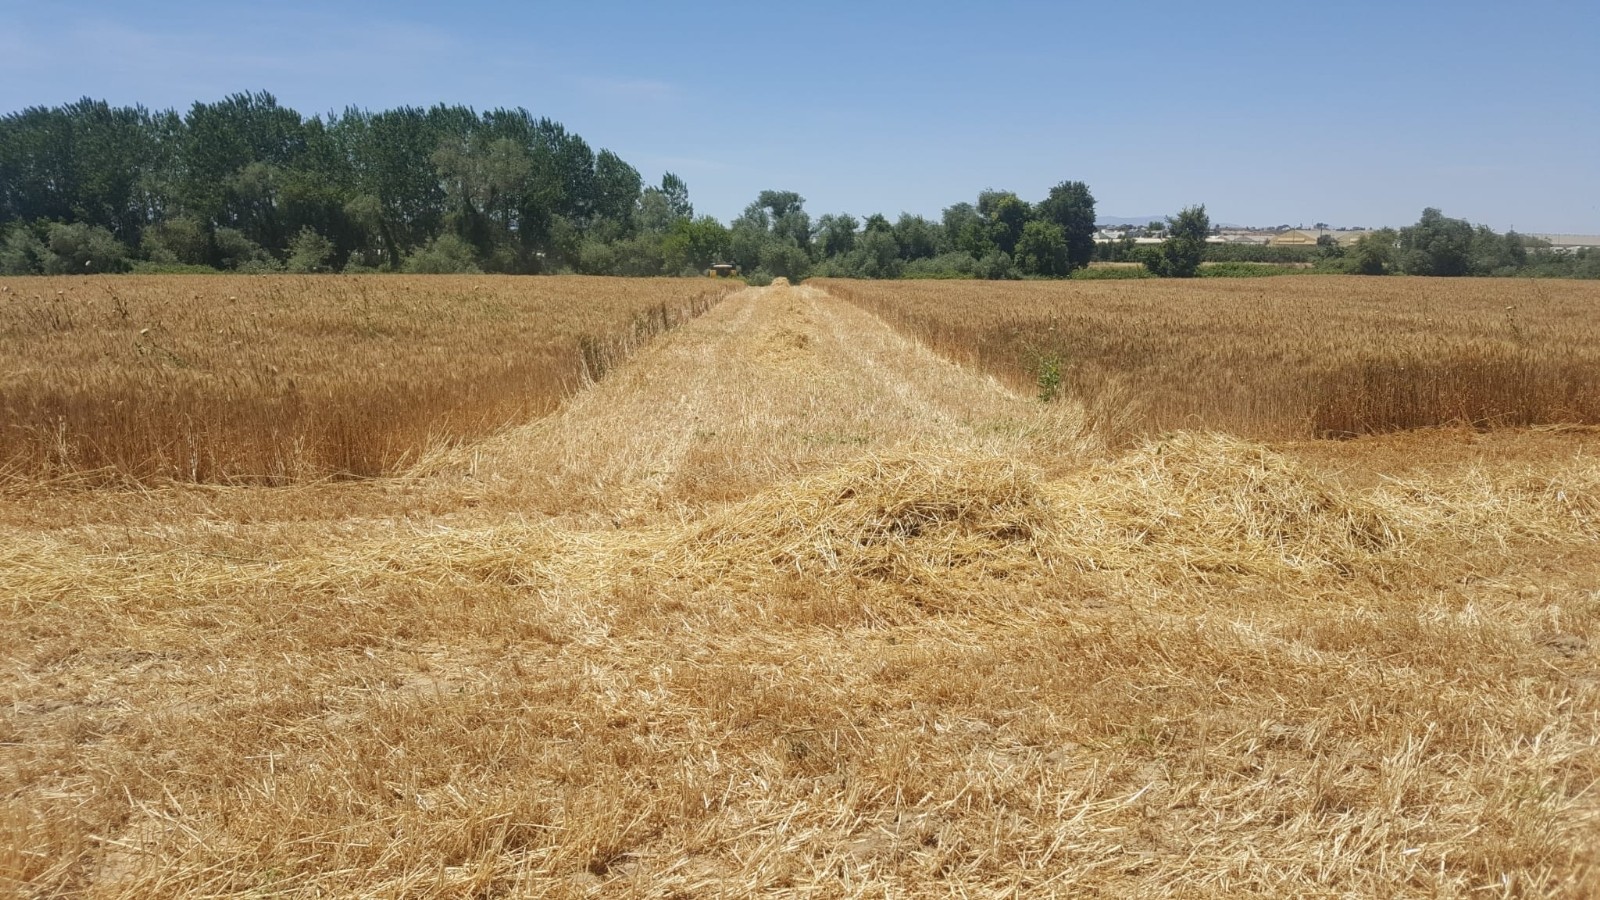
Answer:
x=236 y=251
x=595 y=257
x=79 y=248
x=1180 y=255
x=150 y=267
x=1111 y=273
x=954 y=264
x=447 y=255
x=1584 y=263
x=639 y=257
x=22 y=253
x=1246 y=270
x=268 y=266
x=181 y=240
x=309 y=251
x=1259 y=253
x=997 y=266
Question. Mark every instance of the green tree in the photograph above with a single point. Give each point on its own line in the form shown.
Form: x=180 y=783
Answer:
x=692 y=246
x=654 y=215
x=617 y=187
x=309 y=251
x=397 y=198
x=835 y=236
x=965 y=230
x=780 y=203
x=1496 y=254
x=1516 y=249
x=877 y=256
x=1180 y=254
x=772 y=237
x=1374 y=253
x=1005 y=213
x=661 y=207
x=1071 y=207
x=918 y=237
x=1436 y=245
x=1042 y=249
x=676 y=193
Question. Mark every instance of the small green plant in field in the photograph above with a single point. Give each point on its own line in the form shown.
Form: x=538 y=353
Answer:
x=1048 y=372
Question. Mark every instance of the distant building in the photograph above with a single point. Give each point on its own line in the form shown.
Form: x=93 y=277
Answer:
x=1307 y=237
x=1569 y=242
x=1235 y=236
x=1295 y=237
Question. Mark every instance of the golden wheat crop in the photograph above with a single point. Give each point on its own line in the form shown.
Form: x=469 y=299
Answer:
x=1276 y=358
x=287 y=378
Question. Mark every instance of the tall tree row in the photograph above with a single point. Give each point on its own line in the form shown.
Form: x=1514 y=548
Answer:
x=246 y=183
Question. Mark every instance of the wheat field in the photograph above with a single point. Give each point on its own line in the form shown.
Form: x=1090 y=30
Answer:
x=279 y=379
x=793 y=603
x=1325 y=356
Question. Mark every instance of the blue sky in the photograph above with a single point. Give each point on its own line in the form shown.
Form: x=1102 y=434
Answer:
x=1353 y=113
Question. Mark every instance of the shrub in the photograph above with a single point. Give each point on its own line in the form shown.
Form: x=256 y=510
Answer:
x=1259 y=253
x=150 y=267
x=182 y=240
x=236 y=251
x=1180 y=255
x=997 y=266
x=954 y=264
x=309 y=251
x=1111 y=273
x=638 y=257
x=268 y=266
x=1246 y=270
x=79 y=248
x=22 y=253
x=595 y=258
x=447 y=255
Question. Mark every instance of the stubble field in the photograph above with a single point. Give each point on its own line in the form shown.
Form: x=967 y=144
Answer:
x=793 y=604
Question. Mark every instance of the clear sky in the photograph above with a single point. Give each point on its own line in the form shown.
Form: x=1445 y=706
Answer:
x=1352 y=112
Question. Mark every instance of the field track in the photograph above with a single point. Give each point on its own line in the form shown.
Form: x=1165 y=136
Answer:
x=770 y=384
x=789 y=605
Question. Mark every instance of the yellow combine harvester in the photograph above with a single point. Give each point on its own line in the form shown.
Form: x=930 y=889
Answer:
x=723 y=270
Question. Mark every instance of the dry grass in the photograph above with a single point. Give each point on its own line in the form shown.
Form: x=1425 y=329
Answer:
x=289 y=378
x=1326 y=356
x=816 y=613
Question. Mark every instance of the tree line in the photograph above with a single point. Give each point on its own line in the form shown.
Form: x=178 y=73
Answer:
x=999 y=236
x=1438 y=245
x=250 y=185
x=247 y=184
